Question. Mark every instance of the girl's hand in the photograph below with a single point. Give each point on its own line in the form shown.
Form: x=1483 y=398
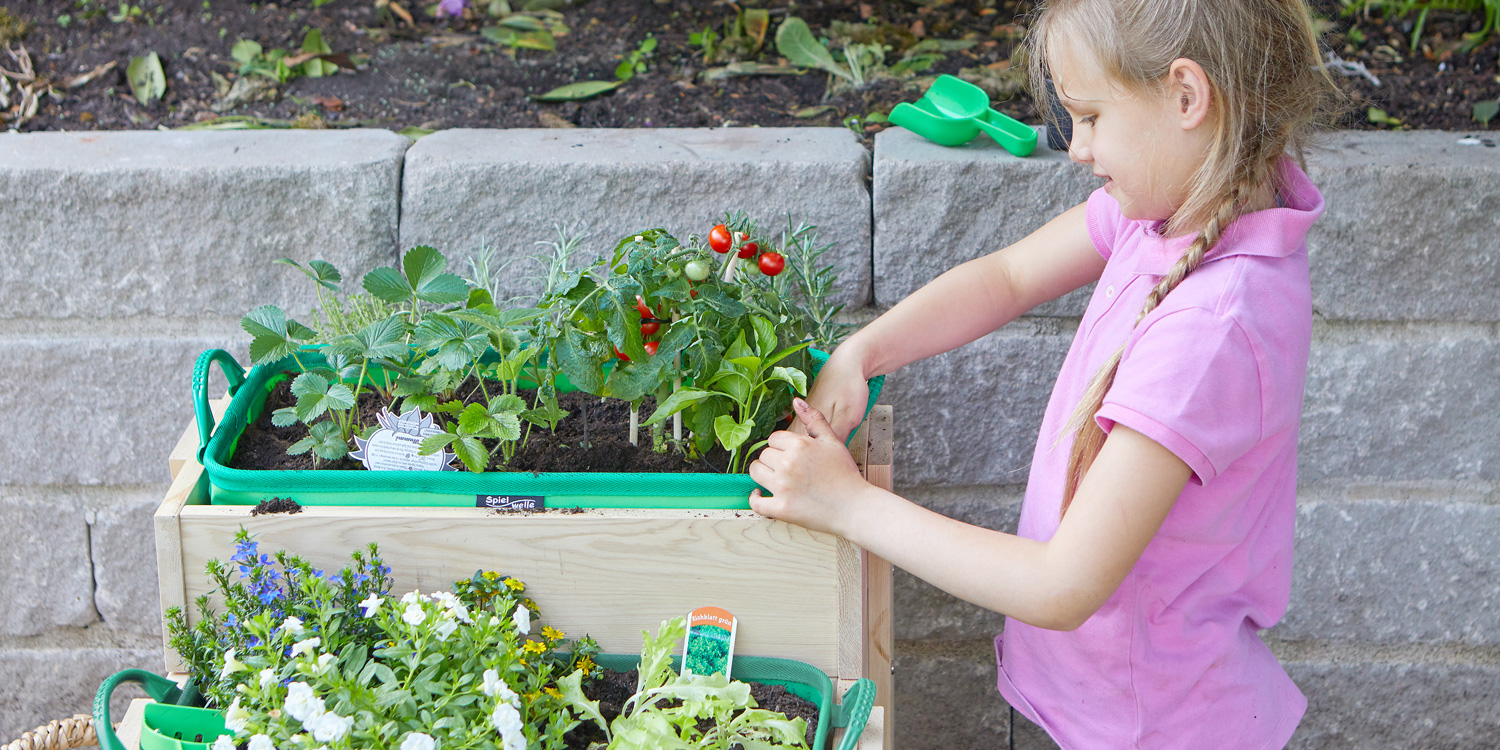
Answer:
x=812 y=478
x=840 y=391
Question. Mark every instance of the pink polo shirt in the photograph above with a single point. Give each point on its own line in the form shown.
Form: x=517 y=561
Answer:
x=1215 y=374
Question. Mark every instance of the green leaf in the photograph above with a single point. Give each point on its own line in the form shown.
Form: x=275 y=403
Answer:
x=578 y=90
x=423 y=267
x=1486 y=111
x=523 y=23
x=147 y=81
x=434 y=443
x=572 y=692
x=316 y=395
x=795 y=42
x=286 y=416
x=720 y=302
x=413 y=132
x=245 y=51
x=679 y=400
x=731 y=434
x=472 y=453
x=765 y=335
x=273 y=337
x=507 y=404
x=796 y=377
x=323 y=440
x=387 y=284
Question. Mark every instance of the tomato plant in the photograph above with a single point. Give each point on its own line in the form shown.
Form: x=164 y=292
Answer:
x=720 y=239
x=771 y=264
x=748 y=250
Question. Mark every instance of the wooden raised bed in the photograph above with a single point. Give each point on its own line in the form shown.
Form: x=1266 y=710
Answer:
x=609 y=574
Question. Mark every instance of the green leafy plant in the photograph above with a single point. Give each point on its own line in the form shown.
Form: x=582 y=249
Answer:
x=147 y=81
x=635 y=62
x=1401 y=8
x=742 y=37
x=282 y=66
x=668 y=709
x=530 y=28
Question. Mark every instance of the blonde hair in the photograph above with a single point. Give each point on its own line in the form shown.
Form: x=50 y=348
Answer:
x=1269 y=92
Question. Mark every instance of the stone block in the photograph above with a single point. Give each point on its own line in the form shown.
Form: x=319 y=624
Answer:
x=971 y=416
x=122 y=545
x=921 y=611
x=98 y=410
x=937 y=207
x=1396 y=572
x=946 y=697
x=1410 y=228
x=46 y=579
x=56 y=683
x=1401 y=403
x=123 y=224
x=507 y=189
x=1413 y=705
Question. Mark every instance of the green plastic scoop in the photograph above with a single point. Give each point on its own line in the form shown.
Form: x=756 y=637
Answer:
x=952 y=113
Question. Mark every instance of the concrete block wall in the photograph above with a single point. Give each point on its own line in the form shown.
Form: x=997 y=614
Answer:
x=130 y=253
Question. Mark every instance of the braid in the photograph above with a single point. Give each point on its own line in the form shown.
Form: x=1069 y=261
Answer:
x=1088 y=437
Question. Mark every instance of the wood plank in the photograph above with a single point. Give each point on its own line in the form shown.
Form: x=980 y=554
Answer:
x=171 y=583
x=609 y=574
x=129 y=729
x=877 y=734
x=187 y=446
x=879 y=643
x=882 y=435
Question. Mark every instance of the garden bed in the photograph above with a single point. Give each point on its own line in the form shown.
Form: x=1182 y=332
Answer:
x=444 y=73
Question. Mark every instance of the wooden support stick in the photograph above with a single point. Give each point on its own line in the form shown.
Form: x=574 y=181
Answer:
x=635 y=425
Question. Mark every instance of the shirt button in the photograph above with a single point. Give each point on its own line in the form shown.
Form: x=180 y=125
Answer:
x=1109 y=292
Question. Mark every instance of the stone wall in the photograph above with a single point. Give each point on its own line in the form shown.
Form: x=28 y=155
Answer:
x=127 y=254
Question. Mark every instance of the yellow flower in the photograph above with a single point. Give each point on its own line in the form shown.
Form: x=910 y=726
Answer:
x=554 y=692
x=586 y=664
x=490 y=575
x=514 y=584
x=551 y=633
x=534 y=647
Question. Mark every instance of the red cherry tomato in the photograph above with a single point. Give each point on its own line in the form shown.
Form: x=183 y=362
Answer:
x=621 y=355
x=693 y=293
x=649 y=327
x=719 y=239
x=749 y=249
x=652 y=346
x=640 y=306
x=771 y=263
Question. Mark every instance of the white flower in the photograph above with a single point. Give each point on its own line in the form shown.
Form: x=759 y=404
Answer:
x=414 y=596
x=261 y=742
x=329 y=727
x=507 y=721
x=305 y=648
x=417 y=741
x=231 y=664
x=371 y=605
x=522 y=619
x=236 y=719
x=267 y=678
x=494 y=686
x=414 y=614
x=224 y=743
x=323 y=662
x=446 y=629
x=494 y=620
x=293 y=625
x=301 y=703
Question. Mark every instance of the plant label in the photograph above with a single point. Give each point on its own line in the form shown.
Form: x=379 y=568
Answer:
x=397 y=444
x=709 y=648
x=511 y=502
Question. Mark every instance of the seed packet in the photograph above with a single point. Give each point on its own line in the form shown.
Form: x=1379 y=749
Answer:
x=709 y=648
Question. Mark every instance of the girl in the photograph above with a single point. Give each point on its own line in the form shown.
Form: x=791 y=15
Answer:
x=1155 y=541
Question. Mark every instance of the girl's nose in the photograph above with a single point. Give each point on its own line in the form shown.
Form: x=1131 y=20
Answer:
x=1078 y=150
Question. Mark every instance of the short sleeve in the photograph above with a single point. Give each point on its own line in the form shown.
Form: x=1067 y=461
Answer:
x=1191 y=382
x=1104 y=220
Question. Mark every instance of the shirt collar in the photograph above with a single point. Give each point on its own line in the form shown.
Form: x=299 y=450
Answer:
x=1271 y=233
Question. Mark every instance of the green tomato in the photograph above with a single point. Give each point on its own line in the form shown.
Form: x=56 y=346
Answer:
x=698 y=270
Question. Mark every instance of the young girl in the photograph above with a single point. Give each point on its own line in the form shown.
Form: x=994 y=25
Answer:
x=1155 y=541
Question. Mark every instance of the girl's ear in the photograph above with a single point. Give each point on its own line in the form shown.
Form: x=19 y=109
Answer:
x=1190 y=91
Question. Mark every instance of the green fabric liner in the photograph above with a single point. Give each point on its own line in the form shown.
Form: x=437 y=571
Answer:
x=230 y=486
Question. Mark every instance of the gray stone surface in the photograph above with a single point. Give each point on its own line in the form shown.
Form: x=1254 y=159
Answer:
x=936 y=207
x=1411 y=228
x=122 y=544
x=55 y=683
x=120 y=224
x=1395 y=571
x=508 y=188
x=46 y=579
x=1401 y=403
x=102 y=410
x=1353 y=705
x=922 y=611
x=946 y=697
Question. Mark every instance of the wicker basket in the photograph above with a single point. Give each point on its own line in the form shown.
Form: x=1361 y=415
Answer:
x=62 y=734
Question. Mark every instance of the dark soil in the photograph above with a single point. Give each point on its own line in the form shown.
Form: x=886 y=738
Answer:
x=612 y=689
x=595 y=437
x=441 y=73
x=276 y=505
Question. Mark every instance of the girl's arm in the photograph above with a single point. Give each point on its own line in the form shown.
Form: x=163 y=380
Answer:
x=961 y=305
x=1056 y=584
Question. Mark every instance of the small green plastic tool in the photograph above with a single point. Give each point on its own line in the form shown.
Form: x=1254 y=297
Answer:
x=952 y=113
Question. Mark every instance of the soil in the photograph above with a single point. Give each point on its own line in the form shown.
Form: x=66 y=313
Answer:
x=595 y=437
x=276 y=505
x=441 y=73
x=612 y=689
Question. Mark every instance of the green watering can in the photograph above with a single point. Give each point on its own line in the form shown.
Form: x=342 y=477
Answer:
x=952 y=113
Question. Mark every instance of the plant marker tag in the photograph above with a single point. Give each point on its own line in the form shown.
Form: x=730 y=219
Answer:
x=709 y=648
x=511 y=502
x=395 y=445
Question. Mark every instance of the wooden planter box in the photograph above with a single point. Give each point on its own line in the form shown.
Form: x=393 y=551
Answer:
x=609 y=573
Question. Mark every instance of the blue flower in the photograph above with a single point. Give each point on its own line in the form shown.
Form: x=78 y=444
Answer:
x=451 y=7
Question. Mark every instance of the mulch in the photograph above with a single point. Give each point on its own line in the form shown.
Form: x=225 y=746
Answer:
x=442 y=73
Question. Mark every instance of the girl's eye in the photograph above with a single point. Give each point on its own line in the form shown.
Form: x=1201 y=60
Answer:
x=1087 y=119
